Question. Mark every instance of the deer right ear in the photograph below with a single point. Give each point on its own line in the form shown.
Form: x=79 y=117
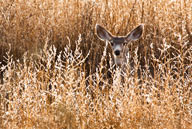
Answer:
x=102 y=33
x=135 y=34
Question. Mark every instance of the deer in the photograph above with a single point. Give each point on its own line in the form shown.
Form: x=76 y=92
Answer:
x=119 y=44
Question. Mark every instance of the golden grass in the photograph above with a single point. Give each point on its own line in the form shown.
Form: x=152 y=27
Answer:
x=67 y=85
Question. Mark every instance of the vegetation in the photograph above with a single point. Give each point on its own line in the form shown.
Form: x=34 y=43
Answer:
x=56 y=73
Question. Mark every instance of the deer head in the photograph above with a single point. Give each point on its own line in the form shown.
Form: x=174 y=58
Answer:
x=119 y=43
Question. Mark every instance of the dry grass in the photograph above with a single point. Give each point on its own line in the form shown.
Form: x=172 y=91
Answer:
x=68 y=85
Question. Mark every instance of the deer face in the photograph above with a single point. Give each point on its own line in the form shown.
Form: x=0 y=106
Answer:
x=119 y=43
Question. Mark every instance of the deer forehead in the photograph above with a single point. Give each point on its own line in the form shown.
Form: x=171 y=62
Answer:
x=118 y=40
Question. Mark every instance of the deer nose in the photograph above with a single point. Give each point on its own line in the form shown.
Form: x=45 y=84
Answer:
x=117 y=53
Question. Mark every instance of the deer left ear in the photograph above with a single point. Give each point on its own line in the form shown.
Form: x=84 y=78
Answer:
x=102 y=33
x=135 y=34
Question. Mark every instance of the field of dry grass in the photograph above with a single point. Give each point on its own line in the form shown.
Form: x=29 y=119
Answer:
x=55 y=74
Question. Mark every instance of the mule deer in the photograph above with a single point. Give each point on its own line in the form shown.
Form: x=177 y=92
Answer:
x=119 y=43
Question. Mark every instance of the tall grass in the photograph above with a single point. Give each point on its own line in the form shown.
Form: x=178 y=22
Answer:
x=55 y=73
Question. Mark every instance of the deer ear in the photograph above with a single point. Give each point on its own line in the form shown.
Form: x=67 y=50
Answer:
x=135 y=34
x=102 y=33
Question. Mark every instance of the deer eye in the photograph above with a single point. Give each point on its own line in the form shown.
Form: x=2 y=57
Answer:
x=112 y=43
x=124 y=43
